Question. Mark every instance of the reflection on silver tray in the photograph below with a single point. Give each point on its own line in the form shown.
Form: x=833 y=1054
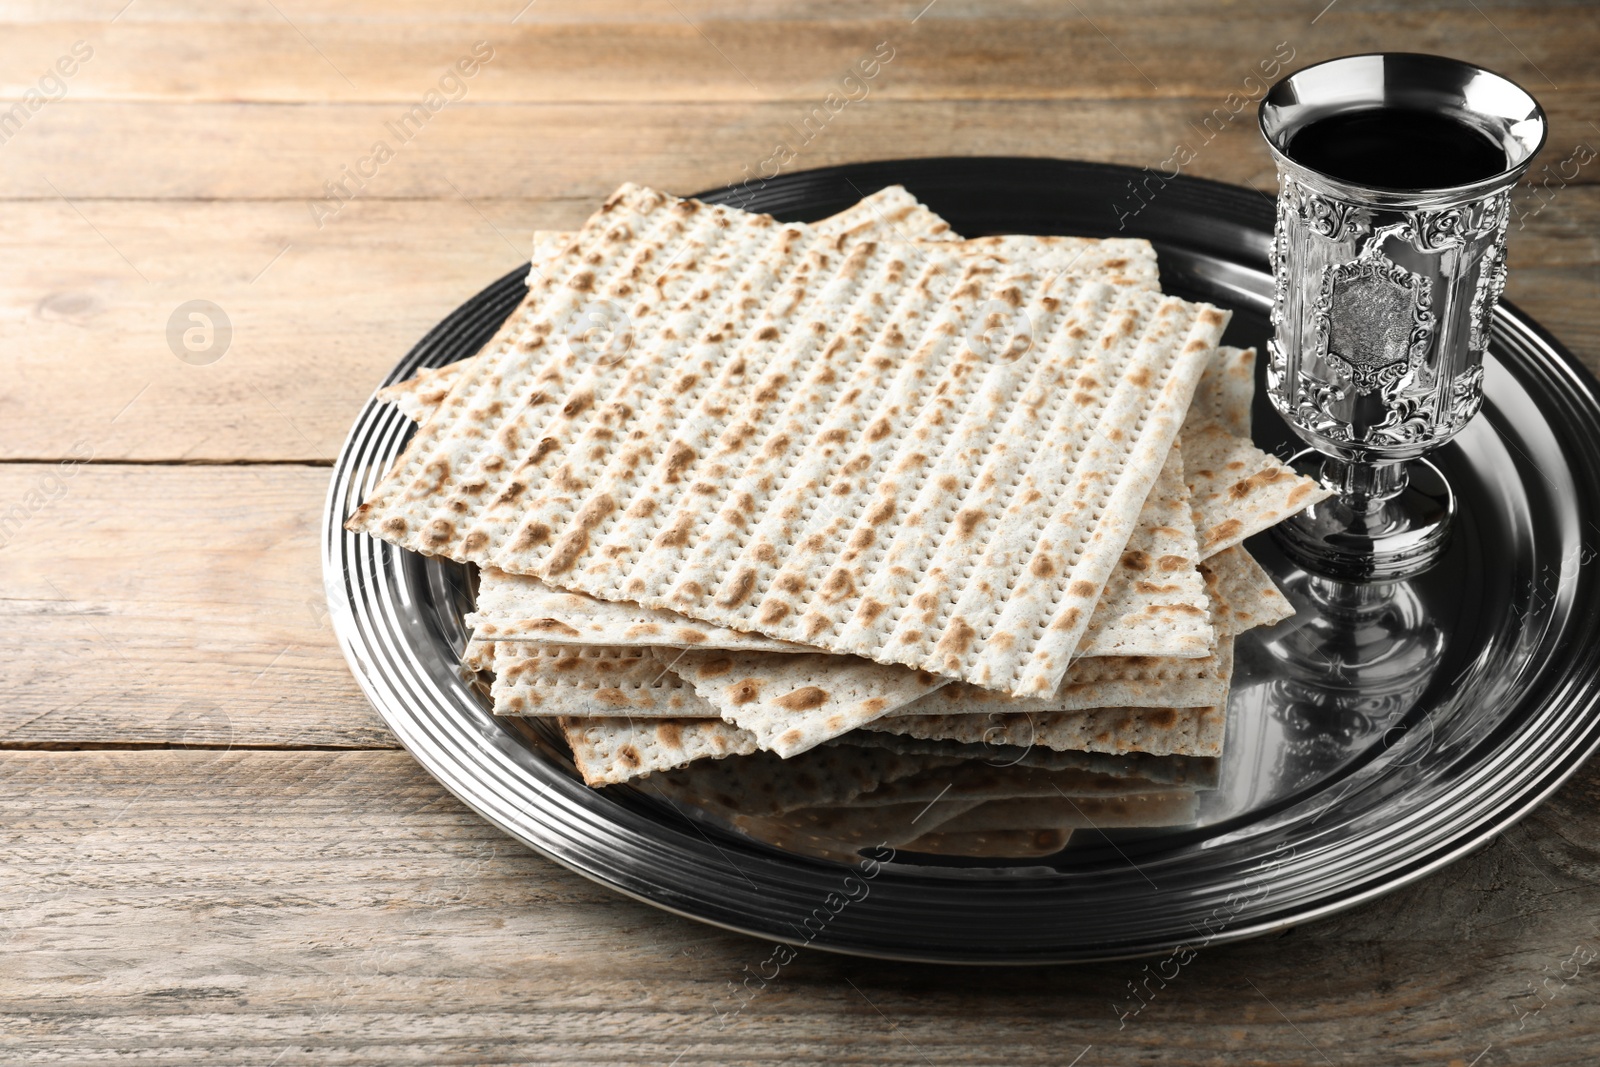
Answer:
x=1371 y=738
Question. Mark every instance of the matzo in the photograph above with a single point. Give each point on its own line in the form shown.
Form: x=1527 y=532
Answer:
x=1116 y=260
x=1158 y=731
x=1242 y=593
x=519 y=607
x=1150 y=606
x=1238 y=489
x=812 y=570
x=764 y=784
x=513 y=416
x=826 y=584
x=1226 y=391
x=478 y=655
x=611 y=751
x=1223 y=394
x=891 y=211
x=458 y=493
x=563 y=680
x=515 y=607
x=1243 y=596
x=794 y=702
x=1138 y=614
x=1090 y=684
x=1157 y=577
x=420 y=395
x=1154 y=603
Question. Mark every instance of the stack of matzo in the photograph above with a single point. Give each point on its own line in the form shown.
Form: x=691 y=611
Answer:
x=856 y=479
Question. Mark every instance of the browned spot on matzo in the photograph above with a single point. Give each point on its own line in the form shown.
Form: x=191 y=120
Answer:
x=1223 y=531
x=679 y=457
x=546 y=626
x=803 y=699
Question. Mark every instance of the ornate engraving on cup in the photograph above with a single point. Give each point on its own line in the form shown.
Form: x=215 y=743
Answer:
x=1492 y=276
x=1466 y=394
x=1372 y=321
x=1381 y=317
x=1330 y=218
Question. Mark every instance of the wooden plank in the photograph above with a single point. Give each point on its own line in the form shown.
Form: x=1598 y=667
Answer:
x=317 y=317
x=317 y=327
x=204 y=908
x=548 y=11
x=1116 y=53
x=179 y=605
x=208 y=151
x=558 y=11
x=267 y=151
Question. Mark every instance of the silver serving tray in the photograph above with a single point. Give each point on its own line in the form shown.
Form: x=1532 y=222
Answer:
x=1367 y=746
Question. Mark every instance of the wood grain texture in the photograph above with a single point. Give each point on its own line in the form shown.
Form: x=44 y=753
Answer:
x=217 y=151
x=697 y=11
x=280 y=886
x=207 y=908
x=1106 y=51
x=170 y=605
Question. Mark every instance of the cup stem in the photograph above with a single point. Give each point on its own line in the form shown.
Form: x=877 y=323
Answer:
x=1366 y=488
x=1388 y=521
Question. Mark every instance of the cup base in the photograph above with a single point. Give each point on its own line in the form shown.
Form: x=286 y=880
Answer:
x=1366 y=539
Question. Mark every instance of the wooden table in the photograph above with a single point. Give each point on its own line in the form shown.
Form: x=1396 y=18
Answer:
x=212 y=851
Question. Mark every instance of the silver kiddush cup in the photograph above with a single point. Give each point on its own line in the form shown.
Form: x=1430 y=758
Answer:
x=1384 y=292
